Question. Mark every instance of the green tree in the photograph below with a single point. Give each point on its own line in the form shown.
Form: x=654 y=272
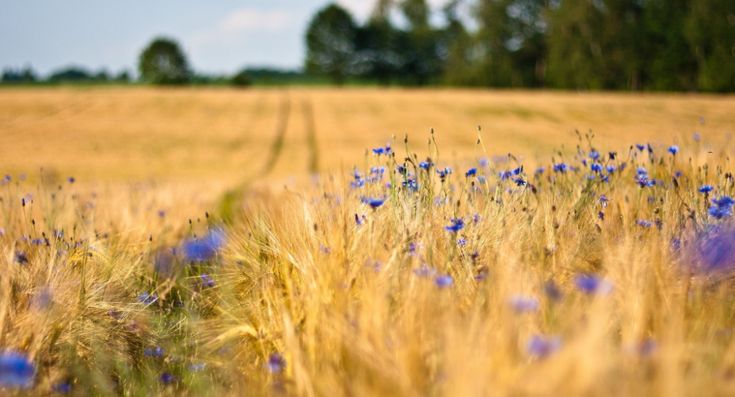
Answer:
x=456 y=49
x=512 y=41
x=576 y=53
x=419 y=45
x=330 y=44
x=163 y=62
x=669 y=63
x=377 y=53
x=710 y=29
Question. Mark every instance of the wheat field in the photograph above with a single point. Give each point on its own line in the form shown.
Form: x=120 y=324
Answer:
x=324 y=242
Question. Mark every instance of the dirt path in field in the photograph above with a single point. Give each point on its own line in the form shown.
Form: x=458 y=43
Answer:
x=276 y=147
x=311 y=139
x=231 y=199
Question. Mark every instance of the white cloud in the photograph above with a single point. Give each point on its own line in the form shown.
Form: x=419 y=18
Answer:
x=260 y=20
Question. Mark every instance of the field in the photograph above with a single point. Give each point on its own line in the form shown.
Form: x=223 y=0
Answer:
x=267 y=241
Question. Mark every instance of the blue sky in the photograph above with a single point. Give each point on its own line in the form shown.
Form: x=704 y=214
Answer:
x=218 y=35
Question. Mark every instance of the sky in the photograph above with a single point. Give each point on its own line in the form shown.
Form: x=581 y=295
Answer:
x=218 y=36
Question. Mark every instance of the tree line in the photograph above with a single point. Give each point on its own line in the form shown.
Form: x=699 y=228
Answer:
x=684 y=45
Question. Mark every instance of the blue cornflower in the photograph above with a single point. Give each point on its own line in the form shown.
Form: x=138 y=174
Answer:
x=610 y=169
x=723 y=201
x=594 y=155
x=561 y=167
x=714 y=250
x=155 y=352
x=411 y=184
x=382 y=150
x=520 y=182
x=443 y=281
x=604 y=200
x=471 y=172
x=167 y=378
x=205 y=248
x=505 y=175
x=359 y=220
x=276 y=363
x=457 y=225
x=147 y=298
x=596 y=167
x=539 y=170
x=461 y=242
x=206 y=281
x=62 y=387
x=722 y=207
x=374 y=203
x=425 y=165
x=673 y=149
x=484 y=162
x=644 y=223
x=524 y=304
x=706 y=189
x=720 y=212
x=443 y=173
x=593 y=285
x=541 y=346
x=16 y=370
x=640 y=147
x=517 y=171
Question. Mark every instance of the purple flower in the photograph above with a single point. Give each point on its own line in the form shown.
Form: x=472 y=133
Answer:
x=276 y=363
x=147 y=298
x=590 y=284
x=644 y=223
x=541 y=346
x=594 y=154
x=444 y=281
x=206 y=281
x=706 y=189
x=456 y=226
x=374 y=203
x=714 y=251
x=205 y=248
x=561 y=167
x=62 y=387
x=155 y=352
x=167 y=378
x=16 y=370
x=524 y=304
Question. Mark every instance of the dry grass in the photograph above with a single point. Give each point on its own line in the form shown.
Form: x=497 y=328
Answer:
x=354 y=308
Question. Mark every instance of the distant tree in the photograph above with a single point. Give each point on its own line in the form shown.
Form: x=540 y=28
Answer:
x=241 y=79
x=576 y=54
x=330 y=43
x=123 y=76
x=456 y=49
x=376 y=45
x=513 y=42
x=710 y=30
x=163 y=62
x=19 y=76
x=669 y=62
x=419 y=44
x=70 y=74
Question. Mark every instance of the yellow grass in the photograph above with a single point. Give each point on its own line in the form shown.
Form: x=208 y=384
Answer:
x=354 y=308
